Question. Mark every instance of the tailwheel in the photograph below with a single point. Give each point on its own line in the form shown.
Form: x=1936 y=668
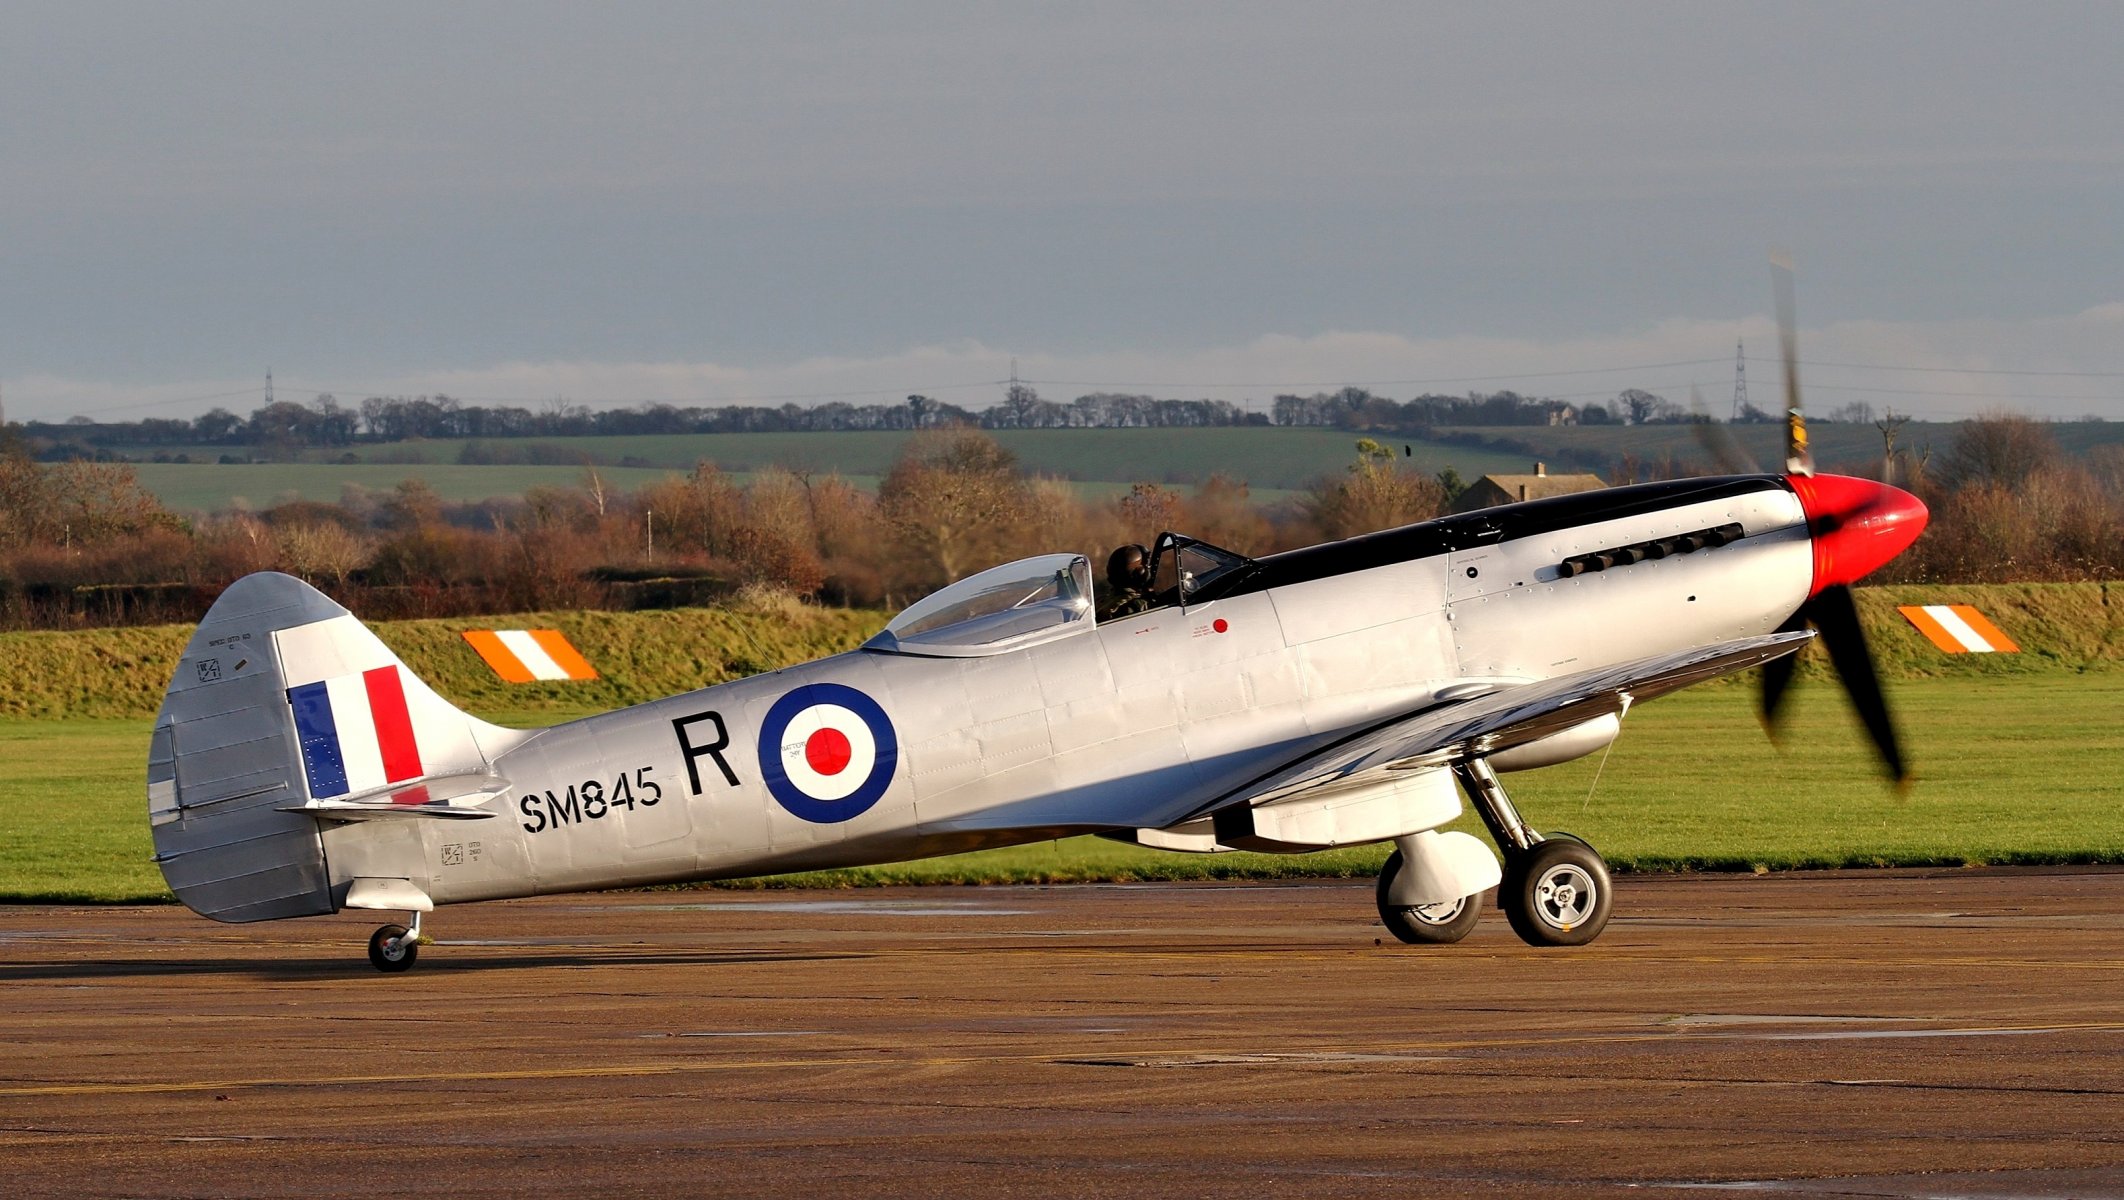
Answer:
x=393 y=948
x=1425 y=924
x=1556 y=892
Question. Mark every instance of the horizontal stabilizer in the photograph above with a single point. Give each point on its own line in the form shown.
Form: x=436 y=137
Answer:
x=457 y=798
x=358 y=810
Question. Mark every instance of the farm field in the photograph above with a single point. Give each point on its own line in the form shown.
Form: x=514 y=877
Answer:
x=218 y=487
x=215 y=487
x=1264 y=457
x=1834 y=443
x=1102 y=462
x=1276 y=463
x=2011 y=769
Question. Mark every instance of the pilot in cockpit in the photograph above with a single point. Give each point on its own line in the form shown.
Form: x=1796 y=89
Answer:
x=1128 y=583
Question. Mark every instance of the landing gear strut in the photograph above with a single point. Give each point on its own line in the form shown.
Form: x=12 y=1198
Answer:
x=1555 y=890
x=393 y=948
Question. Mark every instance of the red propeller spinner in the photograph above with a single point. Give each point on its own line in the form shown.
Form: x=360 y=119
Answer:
x=1857 y=525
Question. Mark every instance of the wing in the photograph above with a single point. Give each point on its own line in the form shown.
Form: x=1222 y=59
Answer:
x=1457 y=731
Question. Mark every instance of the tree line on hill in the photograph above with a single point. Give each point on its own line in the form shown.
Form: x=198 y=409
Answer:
x=81 y=543
x=283 y=427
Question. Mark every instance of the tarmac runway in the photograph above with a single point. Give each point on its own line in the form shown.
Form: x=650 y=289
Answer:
x=1869 y=1034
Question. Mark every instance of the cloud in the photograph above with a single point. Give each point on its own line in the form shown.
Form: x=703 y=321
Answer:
x=2065 y=367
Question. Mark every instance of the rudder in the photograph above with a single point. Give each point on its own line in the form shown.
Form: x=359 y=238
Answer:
x=283 y=699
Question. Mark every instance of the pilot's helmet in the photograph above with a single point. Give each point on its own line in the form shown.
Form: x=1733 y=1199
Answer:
x=1125 y=566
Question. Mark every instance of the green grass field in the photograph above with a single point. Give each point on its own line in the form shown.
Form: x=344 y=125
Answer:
x=1833 y=443
x=217 y=487
x=1268 y=458
x=2011 y=769
x=1275 y=463
x=2018 y=756
x=212 y=488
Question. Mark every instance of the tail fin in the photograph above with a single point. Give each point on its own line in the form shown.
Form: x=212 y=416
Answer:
x=281 y=700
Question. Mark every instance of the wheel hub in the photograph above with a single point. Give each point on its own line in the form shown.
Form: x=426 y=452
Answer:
x=1441 y=913
x=1565 y=896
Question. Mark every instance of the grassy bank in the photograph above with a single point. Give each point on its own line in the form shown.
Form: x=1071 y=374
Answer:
x=639 y=656
x=2070 y=628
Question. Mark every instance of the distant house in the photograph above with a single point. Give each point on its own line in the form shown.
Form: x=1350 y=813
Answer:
x=1492 y=490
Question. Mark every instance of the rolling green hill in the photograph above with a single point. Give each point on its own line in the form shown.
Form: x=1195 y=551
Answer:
x=1267 y=458
x=1835 y=444
x=218 y=487
x=212 y=488
x=1275 y=462
x=1100 y=462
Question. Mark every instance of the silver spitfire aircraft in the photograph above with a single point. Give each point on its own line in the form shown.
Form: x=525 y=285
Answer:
x=1338 y=695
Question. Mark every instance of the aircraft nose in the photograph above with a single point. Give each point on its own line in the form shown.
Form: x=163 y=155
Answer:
x=1857 y=525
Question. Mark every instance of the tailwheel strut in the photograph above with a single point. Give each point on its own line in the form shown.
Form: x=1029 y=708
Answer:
x=1556 y=890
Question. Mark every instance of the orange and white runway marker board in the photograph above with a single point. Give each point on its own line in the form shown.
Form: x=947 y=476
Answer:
x=529 y=655
x=1958 y=629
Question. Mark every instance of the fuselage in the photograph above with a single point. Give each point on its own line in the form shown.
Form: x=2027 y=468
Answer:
x=1138 y=722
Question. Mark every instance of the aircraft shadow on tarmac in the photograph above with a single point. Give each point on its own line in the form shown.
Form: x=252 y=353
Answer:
x=341 y=965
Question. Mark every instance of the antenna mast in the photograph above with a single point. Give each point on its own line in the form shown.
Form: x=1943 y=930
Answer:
x=1740 y=382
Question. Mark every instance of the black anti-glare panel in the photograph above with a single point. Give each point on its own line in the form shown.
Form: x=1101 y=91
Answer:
x=1485 y=527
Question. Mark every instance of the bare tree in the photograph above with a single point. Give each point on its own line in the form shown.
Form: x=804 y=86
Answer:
x=952 y=498
x=321 y=552
x=2002 y=448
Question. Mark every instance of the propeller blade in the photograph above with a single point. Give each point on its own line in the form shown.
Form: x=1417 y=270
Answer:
x=1798 y=461
x=1835 y=613
x=1718 y=441
x=1777 y=676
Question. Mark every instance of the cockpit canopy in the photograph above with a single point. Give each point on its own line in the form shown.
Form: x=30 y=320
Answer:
x=1010 y=607
x=1035 y=600
x=1187 y=571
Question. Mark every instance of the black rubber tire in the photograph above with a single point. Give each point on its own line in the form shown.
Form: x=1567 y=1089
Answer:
x=400 y=957
x=1427 y=925
x=1544 y=892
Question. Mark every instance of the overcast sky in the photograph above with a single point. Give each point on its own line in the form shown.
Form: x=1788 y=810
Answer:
x=698 y=203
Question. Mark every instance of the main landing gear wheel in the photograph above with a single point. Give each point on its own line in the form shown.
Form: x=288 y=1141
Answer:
x=1556 y=892
x=393 y=948
x=1425 y=924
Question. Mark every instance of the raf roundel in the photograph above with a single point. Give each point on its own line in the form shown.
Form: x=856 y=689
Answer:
x=827 y=752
